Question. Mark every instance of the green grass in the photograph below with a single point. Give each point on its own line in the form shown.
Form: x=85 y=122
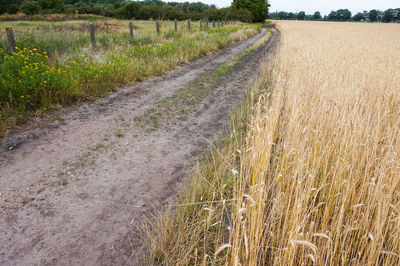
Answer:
x=54 y=64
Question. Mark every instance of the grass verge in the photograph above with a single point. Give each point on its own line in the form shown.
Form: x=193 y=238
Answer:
x=32 y=82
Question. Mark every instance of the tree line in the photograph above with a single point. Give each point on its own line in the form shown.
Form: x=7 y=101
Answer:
x=244 y=10
x=387 y=16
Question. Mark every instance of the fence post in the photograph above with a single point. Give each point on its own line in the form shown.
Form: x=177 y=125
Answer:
x=11 y=38
x=188 y=24
x=207 y=23
x=176 y=25
x=201 y=24
x=158 y=26
x=92 y=36
x=213 y=23
x=131 y=30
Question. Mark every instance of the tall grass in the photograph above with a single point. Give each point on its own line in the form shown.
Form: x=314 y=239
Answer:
x=49 y=70
x=315 y=179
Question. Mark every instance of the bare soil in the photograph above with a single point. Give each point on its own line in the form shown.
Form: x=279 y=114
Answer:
x=75 y=190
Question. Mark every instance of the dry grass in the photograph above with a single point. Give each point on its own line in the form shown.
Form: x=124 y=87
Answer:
x=315 y=177
x=321 y=165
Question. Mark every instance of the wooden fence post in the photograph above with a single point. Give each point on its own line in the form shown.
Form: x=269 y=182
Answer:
x=92 y=36
x=176 y=25
x=11 y=38
x=158 y=26
x=201 y=24
x=213 y=23
x=207 y=23
x=131 y=30
x=188 y=24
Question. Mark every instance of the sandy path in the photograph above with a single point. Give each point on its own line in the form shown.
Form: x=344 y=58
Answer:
x=74 y=193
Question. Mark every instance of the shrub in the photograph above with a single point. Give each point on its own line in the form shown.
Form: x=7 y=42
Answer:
x=29 y=82
x=30 y=7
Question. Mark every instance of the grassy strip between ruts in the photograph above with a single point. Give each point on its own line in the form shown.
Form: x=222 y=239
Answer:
x=191 y=233
x=185 y=99
x=31 y=83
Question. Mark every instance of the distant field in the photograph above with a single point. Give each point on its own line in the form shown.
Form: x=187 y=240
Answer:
x=55 y=65
x=311 y=173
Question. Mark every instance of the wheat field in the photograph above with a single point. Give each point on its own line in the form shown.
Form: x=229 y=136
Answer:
x=311 y=171
x=319 y=177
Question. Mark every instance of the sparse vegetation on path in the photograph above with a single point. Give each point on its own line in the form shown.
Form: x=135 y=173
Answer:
x=310 y=173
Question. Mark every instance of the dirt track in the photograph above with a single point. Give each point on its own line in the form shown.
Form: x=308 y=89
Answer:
x=75 y=191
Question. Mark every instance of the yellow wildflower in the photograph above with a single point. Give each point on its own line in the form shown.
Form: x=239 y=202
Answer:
x=45 y=82
x=82 y=55
x=34 y=49
x=74 y=62
x=22 y=96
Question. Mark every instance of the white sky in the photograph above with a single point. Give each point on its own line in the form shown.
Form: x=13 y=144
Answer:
x=310 y=6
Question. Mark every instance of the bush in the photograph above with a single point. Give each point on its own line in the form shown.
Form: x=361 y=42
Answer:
x=30 y=7
x=242 y=14
x=29 y=82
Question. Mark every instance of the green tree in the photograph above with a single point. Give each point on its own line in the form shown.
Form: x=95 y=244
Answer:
x=51 y=4
x=30 y=7
x=259 y=8
x=283 y=15
x=333 y=15
x=388 y=16
x=373 y=15
x=301 y=15
x=317 y=16
x=130 y=10
x=358 y=17
x=343 y=14
x=242 y=14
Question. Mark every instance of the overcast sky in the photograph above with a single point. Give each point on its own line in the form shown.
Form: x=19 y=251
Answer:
x=310 y=6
